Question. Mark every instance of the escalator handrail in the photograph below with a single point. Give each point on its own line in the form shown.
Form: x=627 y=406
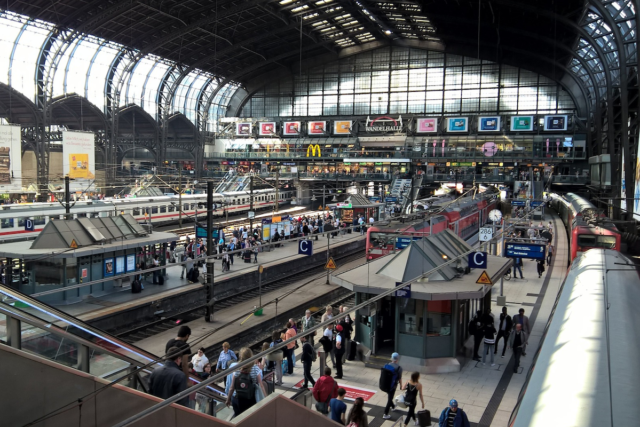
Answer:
x=72 y=321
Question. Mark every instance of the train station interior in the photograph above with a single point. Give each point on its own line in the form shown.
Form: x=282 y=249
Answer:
x=319 y=212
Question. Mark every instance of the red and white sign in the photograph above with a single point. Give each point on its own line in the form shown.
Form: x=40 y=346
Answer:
x=243 y=129
x=316 y=128
x=427 y=125
x=352 y=392
x=267 y=128
x=291 y=128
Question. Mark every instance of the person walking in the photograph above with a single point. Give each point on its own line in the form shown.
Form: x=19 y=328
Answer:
x=489 y=342
x=397 y=380
x=517 y=342
x=246 y=385
x=540 y=267
x=475 y=329
x=504 y=328
x=347 y=329
x=199 y=360
x=357 y=416
x=328 y=314
x=277 y=366
x=180 y=341
x=226 y=355
x=339 y=351
x=453 y=416
x=326 y=388
x=308 y=355
x=308 y=323
x=169 y=380
x=549 y=254
x=290 y=347
x=337 y=407
x=523 y=321
x=413 y=388
x=517 y=266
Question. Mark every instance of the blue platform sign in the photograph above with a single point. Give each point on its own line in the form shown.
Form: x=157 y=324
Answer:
x=478 y=260
x=525 y=250
x=404 y=292
x=305 y=247
x=518 y=203
x=403 y=242
x=536 y=204
x=374 y=198
x=391 y=199
x=201 y=233
x=28 y=225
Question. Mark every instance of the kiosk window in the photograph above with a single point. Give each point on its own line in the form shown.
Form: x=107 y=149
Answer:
x=411 y=315
x=439 y=318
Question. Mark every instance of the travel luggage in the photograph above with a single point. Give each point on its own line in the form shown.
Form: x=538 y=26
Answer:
x=352 y=350
x=424 y=418
x=136 y=287
x=388 y=378
x=161 y=280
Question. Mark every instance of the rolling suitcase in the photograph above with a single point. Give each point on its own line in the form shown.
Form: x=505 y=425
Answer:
x=351 y=351
x=161 y=280
x=424 y=418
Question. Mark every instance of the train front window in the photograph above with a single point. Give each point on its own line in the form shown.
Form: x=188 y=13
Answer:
x=607 y=242
x=379 y=240
x=595 y=241
x=588 y=240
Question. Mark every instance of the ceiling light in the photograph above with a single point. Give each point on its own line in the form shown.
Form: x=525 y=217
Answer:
x=387 y=32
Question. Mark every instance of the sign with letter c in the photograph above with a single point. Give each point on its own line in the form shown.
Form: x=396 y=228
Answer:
x=305 y=247
x=478 y=260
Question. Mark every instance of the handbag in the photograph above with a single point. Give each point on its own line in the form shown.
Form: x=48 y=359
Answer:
x=400 y=401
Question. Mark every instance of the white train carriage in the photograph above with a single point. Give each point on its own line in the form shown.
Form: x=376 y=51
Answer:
x=158 y=210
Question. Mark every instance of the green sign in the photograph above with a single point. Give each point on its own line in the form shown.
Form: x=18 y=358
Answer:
x=521 y=123
x=462 y=164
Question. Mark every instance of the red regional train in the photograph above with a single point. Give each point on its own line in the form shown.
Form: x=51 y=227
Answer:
x=586 y=225
x=464 y=217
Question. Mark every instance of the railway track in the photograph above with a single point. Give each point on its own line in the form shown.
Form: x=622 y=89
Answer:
x=154 y=328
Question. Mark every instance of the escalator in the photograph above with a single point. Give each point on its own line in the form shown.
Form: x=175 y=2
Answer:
x=35 y=327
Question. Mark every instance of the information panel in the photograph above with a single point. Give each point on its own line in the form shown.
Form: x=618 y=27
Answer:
x=525 y=250
x=78 y=155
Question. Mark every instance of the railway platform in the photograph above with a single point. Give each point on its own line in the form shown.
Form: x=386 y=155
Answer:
x=487 y=394
x=122 y=310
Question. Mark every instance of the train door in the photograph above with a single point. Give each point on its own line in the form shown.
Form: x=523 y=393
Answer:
x=463 y=321
x=97 y=271
x=84 y=266
x=367 y=325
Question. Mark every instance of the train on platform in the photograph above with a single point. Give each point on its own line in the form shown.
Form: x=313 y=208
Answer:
x=584 y=371
x=587 y=226
x=158 y=210
x=464 y=217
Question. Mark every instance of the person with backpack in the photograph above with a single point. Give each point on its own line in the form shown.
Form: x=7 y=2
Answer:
x=390 y=378
x=475 y=329
x=453 y=416
x=326 y=388
x=412 y=389
x=540 y=267
x=357 y=416
x=489 y=342
x=246 y=385
x=308 y=357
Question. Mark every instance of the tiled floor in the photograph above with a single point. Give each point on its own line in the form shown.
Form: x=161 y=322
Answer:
x=475 y=385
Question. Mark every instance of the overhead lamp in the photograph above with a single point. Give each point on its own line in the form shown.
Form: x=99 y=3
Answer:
x=387 y=32
x=313 y=198
x=335 y=199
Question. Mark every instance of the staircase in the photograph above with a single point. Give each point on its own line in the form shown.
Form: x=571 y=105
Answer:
x=232 y=182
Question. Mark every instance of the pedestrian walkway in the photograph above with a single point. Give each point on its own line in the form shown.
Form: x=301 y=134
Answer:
x=487 y=394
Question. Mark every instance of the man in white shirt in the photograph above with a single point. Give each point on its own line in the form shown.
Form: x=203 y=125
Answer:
x=371 y=220
x=328 y=332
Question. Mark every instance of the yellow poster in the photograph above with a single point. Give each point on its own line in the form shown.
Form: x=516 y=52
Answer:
x=342 y=127
x=79 y=166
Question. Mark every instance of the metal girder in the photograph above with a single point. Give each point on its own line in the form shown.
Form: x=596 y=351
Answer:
x=357 y=14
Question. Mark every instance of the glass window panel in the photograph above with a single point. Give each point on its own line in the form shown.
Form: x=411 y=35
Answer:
x=361 y=104
x=300 y=106
x=59 y=81
x=471 y=77
x=436 y=59
x=315 y=106
x=528 y=99
x=331 y=83
x=399 y=80
x=411 y=316
x=435 y=78
x=152 y=86
x=417 y=79
x=434 y=102
x=453 y=60
x=25 y=59
x=362 y=82
x=398 y=104
x=509 y=99
x=509 y=76
x=330 y=107
x=379 y=103
x=98 y=75
x=453 y=78
x=346 y=104
x=379 y=81
x=79 y=65
x=135 y=87
x=415 y=102
x=439 y=318
x=346 y=83
x=10 y=30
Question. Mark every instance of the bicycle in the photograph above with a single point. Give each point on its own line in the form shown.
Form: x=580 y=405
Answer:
x=507 y=275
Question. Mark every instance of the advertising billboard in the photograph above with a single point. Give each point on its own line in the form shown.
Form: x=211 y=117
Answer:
x=457 y=124
x=342 y=127
x=521 y=123
x=427 y=125
x=316 y=128
x=489 y=124
x=243 y=129
x=267 y=128
x=291 y=128
x=10 y=158
x=78 y=155
x=555 y=122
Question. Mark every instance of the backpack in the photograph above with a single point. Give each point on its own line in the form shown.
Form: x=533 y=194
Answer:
x=388 y=378
x=245 y=389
